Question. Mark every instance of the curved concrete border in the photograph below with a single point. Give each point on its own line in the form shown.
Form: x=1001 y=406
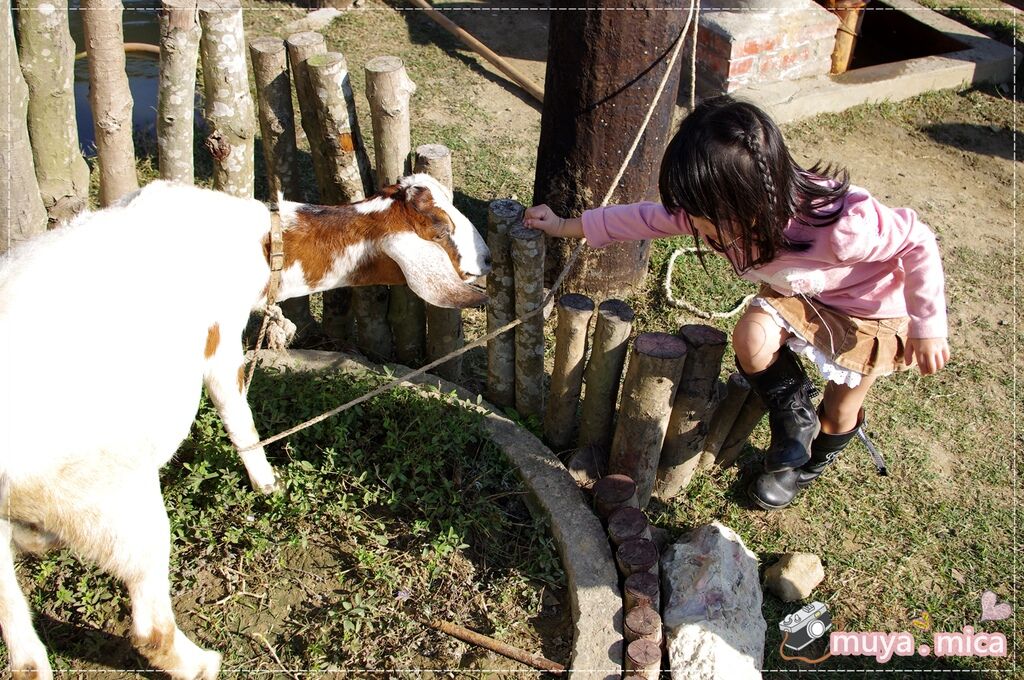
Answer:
x=582 y=543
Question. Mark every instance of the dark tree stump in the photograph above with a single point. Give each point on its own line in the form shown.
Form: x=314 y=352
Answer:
x=642 y=590
x=643 y=623
x=638 y=555
x=626 y=524
x=614 y=492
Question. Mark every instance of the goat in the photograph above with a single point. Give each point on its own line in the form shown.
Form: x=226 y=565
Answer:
x=110 y=326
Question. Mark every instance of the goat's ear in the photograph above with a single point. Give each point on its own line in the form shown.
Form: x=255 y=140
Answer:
x=430 y=273
x=419 y=198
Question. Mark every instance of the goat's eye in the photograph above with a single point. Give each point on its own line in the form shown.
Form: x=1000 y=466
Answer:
x=443 y=229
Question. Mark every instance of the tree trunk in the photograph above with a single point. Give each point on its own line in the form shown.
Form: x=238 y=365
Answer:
x=176 y=96
x=302 y=46
x=110 y=98
x=502 y=217
x=574 y=312
x=602 y=377
x=48 y=63
x=528 y=266
x=229 y=107
x=22 y=214
x=603 y=71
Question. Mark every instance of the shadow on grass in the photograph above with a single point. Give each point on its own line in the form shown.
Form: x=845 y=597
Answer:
x=91 y=645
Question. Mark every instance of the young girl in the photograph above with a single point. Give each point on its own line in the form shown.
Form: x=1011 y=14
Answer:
x=852 y=285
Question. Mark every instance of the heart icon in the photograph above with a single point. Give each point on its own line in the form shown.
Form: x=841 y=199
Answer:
x=924 y=621
x=991 y=610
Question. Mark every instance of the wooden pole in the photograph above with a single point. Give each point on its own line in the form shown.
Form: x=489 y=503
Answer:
x=688 y=425
x=269 y=58
x=20 y=203
x=110 y=98
x=302 y=46
x=642 y=623
x=176 y=96
x=489 y=643
x=648 y=392
x=851 y=16
x=519 y=78
x=736 y=391
x=389 y=90
x=48 y=61
x=637 y=555
x=528 y=266
x=642 y=589
x=603 y=375
x=503 y=215
x=643 y=660
x=627 y=524
x=750 y=415
x=574 y=312
x=444 y=326
x=614 y=492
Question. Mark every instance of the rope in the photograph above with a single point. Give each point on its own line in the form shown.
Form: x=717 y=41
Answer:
x=529 y=315
x=683 y=304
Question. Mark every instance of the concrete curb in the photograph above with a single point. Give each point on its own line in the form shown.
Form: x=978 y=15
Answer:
x=582 y=542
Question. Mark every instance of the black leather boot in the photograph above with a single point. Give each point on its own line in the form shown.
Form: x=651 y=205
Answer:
x=786 y=391
x=824 y=451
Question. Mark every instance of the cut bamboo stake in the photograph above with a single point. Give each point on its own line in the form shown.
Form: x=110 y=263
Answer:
x=750 y=415
x=502 y=216
x=528 y=265
x=444 y=326
x=627 y=524
x=642 y=590
x=636 y=556
x=472 y=637
x=736 y=391
x=302 y=46
x=482 y=50
x=642 y=623
x=614 y=492
x=648 y=392
x=269 y=58
x=229 y=106
x=643 y=659
x=603 y=374
x=388 y=90
x=691 y=411
x=176 y=93
x=574 y=312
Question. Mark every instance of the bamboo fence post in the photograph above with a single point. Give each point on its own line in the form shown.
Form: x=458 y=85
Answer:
x=269 y=58
x=642 y=589
x=110 y=98
x=614 y=492
x=444 y=326
x=47 y=55
x=736 y=391
x=648 y=392
x=176 y=96
x=302 y=46
x=574 y=312
x=502 y=216
x=643 y=660
x=20 y=202
x=388 y=90
x=602 y=376
x=229 y=106
x=688 y=425
x=749 y=416
x=528 y=265
x=642 y=623
x=636 y=556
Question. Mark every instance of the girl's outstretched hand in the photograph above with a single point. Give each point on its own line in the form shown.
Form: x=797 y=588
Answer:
x=544 y=218
x=931 y=354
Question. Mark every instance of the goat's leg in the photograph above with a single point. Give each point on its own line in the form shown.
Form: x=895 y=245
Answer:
x=128 y=535
x=26 y=654
x=225 y=382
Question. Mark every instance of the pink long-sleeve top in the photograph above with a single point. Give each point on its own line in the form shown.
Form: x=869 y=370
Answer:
x=874 y=262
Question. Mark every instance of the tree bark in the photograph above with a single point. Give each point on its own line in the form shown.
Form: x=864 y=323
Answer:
x=602 y=377
x=229 y=107
x=444 y=326
x=22 y=214
x=176 y=96
x=302 y=46
x=528 y=263
x=603 y=71
x=574 y=312
x=110 y=98
x=48 y=64
x=502 y=216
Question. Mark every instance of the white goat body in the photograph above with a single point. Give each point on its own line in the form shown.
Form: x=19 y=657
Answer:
x=109 y=327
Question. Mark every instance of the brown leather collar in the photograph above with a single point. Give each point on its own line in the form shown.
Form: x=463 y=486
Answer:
x=276 y=254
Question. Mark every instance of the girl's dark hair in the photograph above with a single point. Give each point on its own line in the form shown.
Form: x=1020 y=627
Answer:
x=729 y=164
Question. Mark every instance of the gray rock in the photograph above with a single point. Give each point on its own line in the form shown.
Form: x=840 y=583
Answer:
x=713 y=622
x=794 y=576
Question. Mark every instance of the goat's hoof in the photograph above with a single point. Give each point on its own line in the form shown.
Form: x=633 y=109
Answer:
x=203 y=666
x=267 y=488
x=210 y=666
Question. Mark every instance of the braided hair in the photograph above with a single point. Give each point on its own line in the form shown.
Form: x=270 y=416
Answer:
x=729 y=164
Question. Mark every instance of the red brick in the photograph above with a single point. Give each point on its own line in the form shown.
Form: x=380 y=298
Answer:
x=754 y=46
x=740 y=67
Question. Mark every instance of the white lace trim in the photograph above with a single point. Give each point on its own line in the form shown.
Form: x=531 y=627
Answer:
x=829 y=370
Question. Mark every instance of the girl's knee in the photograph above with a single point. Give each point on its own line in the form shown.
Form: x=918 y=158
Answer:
x=756 y=339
